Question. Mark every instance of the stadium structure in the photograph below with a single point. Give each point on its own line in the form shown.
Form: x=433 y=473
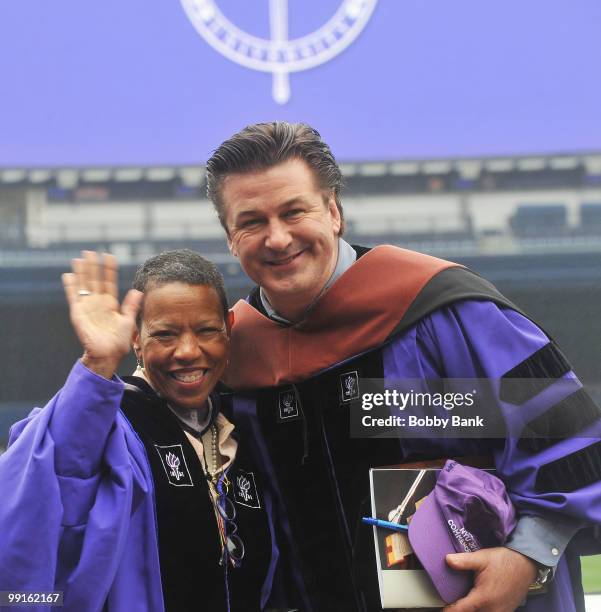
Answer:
x=531 y=224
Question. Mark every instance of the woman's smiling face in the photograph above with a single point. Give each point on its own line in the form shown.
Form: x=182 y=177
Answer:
x=183 y=342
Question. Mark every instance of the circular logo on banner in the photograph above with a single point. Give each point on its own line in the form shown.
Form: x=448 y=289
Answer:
x=279 y=54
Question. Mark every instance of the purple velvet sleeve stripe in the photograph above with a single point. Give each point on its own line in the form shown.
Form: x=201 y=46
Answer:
x=564 y=419
x=537 y=373
x=577 y=470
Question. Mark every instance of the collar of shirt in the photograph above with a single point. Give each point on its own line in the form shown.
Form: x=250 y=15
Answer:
x=226 y=443
x=346 y=258
x=192 y=417
x=187 y=417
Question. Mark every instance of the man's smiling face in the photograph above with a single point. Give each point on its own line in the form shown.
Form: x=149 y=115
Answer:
x=284 y=229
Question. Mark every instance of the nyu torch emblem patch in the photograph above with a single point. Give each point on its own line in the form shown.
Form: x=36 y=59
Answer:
x=288 y=405
x=174 y=464
x=245 y=490
x=349 y=386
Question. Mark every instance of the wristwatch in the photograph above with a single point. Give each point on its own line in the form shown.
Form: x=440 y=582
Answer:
x=541 y=578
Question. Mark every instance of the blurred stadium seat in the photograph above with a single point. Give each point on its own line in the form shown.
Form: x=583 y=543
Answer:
x=539 y=220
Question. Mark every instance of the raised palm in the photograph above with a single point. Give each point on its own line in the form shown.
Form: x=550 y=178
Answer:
x=103 y=327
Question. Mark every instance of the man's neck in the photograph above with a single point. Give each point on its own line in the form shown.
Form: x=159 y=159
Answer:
x=292 y=312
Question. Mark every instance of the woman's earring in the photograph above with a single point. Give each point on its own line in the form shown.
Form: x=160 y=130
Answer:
x=139 y=367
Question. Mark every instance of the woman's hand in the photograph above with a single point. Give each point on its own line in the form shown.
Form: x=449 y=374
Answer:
x=103 y=327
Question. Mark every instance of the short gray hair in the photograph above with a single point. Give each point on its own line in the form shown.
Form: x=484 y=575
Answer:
x=180 y=266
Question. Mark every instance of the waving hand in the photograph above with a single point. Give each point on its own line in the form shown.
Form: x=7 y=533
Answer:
x=103 y=326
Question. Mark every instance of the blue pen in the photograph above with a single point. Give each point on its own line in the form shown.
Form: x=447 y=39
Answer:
x=384 y=524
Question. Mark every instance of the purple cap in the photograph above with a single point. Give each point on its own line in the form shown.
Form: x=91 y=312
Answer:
x=467 y=510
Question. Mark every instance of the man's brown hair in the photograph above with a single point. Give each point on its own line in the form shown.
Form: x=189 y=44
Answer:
x=263 y=145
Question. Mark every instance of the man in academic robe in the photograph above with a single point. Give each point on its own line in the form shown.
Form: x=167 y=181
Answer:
x=326 y=318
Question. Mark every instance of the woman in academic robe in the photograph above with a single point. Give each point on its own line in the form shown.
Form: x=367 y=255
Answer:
x=138 y=493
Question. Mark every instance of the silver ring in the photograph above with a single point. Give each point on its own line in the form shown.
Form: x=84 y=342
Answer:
x=83 y=292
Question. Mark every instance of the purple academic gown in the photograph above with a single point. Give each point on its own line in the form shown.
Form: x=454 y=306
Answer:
x=77 y=509
x=477 y=339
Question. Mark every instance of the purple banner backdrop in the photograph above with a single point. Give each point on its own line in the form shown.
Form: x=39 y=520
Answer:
x=113 y=82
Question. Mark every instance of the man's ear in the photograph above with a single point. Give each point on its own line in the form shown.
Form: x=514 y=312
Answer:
x=228 y=236
x=231 y=246
x=229 y=323
x=334 y=213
